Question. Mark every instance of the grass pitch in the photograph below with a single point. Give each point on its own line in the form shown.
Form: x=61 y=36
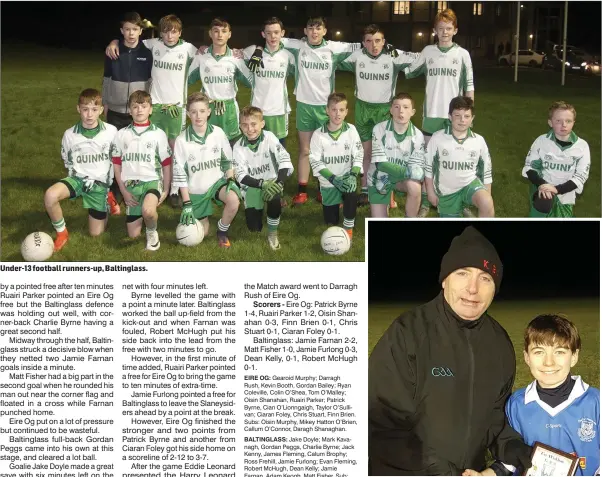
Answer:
x=39 y=93
x=514 y=316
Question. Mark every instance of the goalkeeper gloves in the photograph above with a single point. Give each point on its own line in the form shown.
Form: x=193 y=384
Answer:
x=219 y=107
x=256 y=61
x=172 y=109
x=350 y=181
x=391 y=50
x=338 y=182
x=270 y=189
x=187 y=217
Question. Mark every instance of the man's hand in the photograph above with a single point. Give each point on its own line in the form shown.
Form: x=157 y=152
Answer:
x=112 y=51
x=187 y=217
x=391 y=50
x=128 y=198
x=256 y=60
x=219 y=107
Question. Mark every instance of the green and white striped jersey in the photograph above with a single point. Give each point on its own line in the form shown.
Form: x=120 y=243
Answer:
x=336 y=155
x=219 y=74
x=89 y=158
x=557 y=164
x=142 y=151
x=376 y=77
x=400 y=149
x=454 y=164
x=270 y=93
x=315 y=67
x=169 y=74
x=263 y=161
x=199 y=162
x=448 y=74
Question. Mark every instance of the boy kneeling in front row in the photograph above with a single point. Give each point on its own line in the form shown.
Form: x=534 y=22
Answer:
x=261 y=165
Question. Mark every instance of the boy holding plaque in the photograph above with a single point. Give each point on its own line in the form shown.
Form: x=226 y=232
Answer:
x=557 y=409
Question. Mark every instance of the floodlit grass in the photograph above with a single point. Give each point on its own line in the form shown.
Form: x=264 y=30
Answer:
x=39 y=93
x=514 y=316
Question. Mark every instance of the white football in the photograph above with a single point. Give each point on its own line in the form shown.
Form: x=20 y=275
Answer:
x=190 y=235
x=335 y=241
x=37 y=247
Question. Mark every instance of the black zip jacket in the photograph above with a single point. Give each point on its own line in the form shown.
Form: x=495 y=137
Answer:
x=436 y=394
x=128 y=73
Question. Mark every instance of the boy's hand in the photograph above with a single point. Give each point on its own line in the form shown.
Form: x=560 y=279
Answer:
x=338 y=182
x=433 y=199
x=256 y=60
x=163 y=197
x=202 y=50
x=350 y=182
x=391 y=50
x=238 y=54
x=128 y=198
x=187 y=217
x=547 y=191
x=269 y=189
x=112 y=51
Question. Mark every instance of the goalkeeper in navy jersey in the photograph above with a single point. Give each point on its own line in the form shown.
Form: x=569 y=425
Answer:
x=261 y=166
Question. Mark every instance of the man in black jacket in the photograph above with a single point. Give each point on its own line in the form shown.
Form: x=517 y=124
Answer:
x=440 y=375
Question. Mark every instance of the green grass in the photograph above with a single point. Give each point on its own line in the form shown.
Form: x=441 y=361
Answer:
x=514 y=317
x=39 y=93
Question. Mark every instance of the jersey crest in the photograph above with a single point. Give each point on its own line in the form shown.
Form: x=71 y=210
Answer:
x=586 y=432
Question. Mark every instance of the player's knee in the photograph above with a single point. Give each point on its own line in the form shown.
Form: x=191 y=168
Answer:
x=413 y=189
x=149 y=211
x=51 y=197
x=232 y=201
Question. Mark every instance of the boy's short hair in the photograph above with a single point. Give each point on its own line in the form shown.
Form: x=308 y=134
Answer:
x=198 y=97
x=90 y=95
x=371 y=30
x=404 y=96
x=249 y=111
x=447 y=16
x=133 y=18
x=335 y=98
x=221 y=23
x=273 y=21
x=169 y=23
x=140 y=97
x=562 y=105
x=552 y=330
x=461 y=102
x=316 y=21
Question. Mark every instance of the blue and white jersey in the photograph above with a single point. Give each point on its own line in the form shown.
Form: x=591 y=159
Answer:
x=573 y=426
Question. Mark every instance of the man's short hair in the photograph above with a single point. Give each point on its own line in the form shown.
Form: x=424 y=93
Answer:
x=273 y=21
x=316 y=21
x=404 y=96
x=140 y=97
x=169 y=23
x=249 y=111
x=133 y=18
x=461 y=102
x=552 y=330
x=447 y=16
x=563 y=106
x=198 y=97
x=90 y=95
x=336 y=98
x=372 y=29
x=220 y=23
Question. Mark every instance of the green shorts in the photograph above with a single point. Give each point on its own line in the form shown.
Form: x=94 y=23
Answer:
x=558 y=209
x=310 y=118
x=432 y=125
x=172 y=127
x=253 y=198
x=277 y=124
x=95 y=199
x=451 y=205
x=375 y=197
x=368 y=115
x=139 y=189
x=202 y=204
x=227 y=121
x=331 y=196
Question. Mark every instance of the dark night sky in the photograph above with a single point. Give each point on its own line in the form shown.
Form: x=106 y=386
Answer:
x=90 y=24
x=541 y=259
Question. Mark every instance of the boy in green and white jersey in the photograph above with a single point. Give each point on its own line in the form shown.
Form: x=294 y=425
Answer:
x=557 y=165
x=219 y=70
x=270 y=92
x=261 y=165
x=458 y=165
x=85 y=150
x=376 y=74
x=336 y=157
x=397 y=159
x=203 y=170
x=172 y=57
x=142 y=160
x=448 y=71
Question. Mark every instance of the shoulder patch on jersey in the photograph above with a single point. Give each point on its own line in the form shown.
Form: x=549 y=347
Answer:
x=586 y=432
